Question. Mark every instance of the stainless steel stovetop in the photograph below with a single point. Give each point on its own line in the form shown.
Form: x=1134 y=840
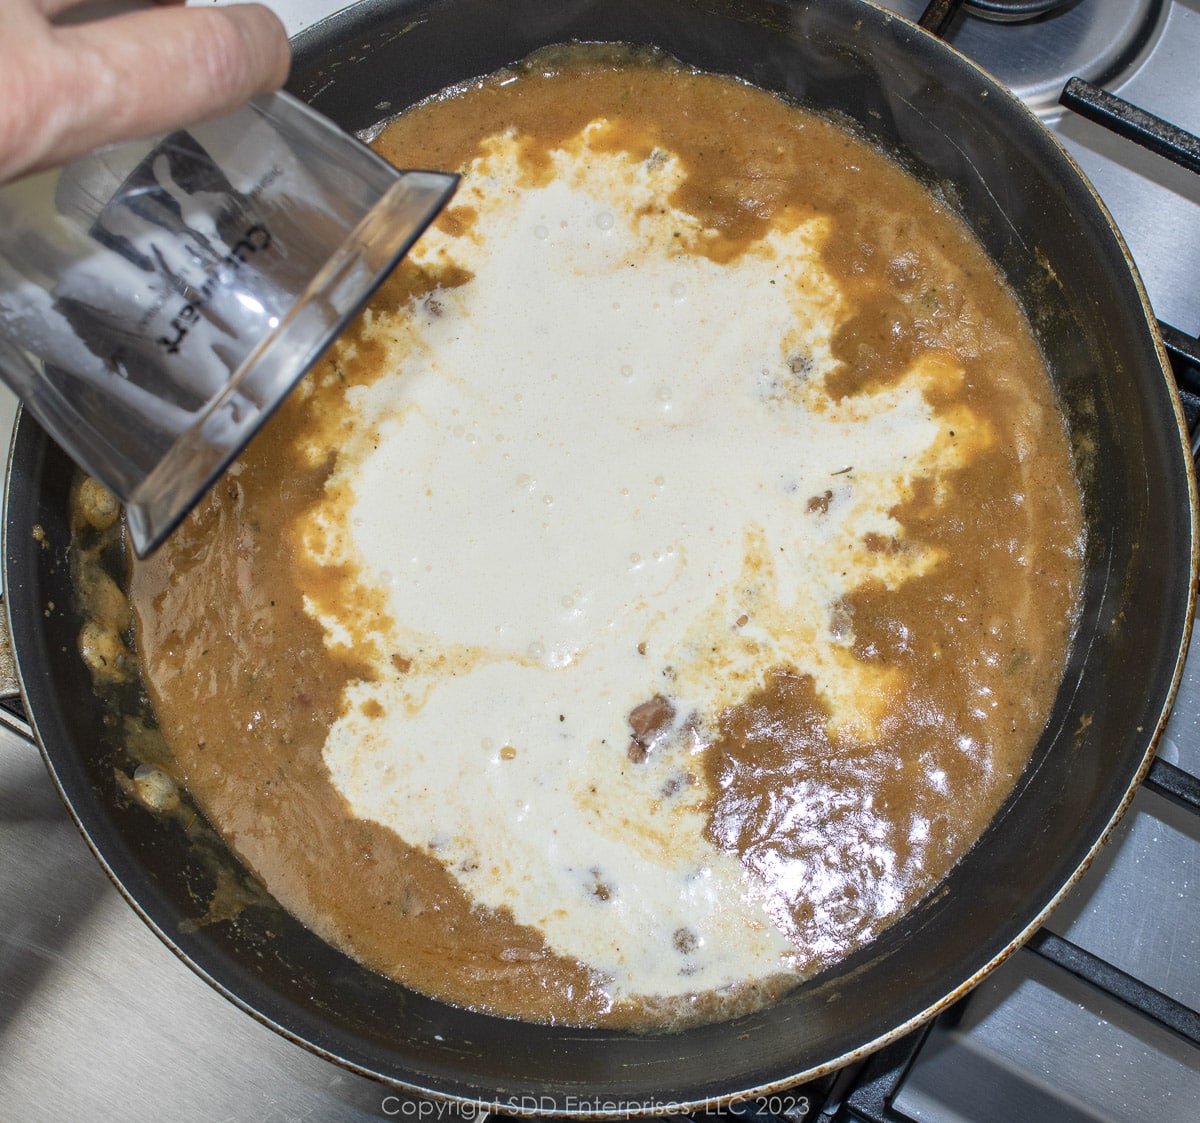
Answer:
x=99 y=1021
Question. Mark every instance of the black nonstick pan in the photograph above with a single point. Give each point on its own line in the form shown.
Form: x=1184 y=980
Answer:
x=979 y=148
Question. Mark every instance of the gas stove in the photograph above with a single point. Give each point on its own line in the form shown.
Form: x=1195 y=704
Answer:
x=1097 y=1019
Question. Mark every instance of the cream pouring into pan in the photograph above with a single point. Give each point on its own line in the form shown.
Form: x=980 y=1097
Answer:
x=974 y=143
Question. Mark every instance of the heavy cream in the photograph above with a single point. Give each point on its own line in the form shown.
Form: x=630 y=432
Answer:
x=603 y=473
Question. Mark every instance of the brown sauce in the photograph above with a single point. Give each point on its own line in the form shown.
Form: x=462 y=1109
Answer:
x=245 y=687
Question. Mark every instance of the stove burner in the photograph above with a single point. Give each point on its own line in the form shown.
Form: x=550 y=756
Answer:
x=1011 y=11
x=1034 y=46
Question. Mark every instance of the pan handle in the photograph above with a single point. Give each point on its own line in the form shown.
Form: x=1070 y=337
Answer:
x=10 y=684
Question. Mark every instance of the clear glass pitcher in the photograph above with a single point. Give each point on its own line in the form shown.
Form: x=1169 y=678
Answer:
x=159 y=299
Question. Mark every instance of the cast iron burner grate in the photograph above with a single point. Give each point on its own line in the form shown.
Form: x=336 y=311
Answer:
x=1182 y=149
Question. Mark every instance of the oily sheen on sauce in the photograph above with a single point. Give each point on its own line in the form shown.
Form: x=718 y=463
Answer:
x=661 y=586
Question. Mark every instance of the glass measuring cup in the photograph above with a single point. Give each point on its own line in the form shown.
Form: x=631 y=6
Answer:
x=159 y=299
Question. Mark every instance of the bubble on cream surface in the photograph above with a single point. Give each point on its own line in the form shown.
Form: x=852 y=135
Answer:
x=601 y=472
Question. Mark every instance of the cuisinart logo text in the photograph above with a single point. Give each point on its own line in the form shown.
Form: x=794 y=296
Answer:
x=256 y=238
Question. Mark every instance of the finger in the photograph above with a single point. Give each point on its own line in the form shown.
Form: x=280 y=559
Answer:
x=145 y=73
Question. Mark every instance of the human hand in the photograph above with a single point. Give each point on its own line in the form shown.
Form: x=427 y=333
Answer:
x=68 y=88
